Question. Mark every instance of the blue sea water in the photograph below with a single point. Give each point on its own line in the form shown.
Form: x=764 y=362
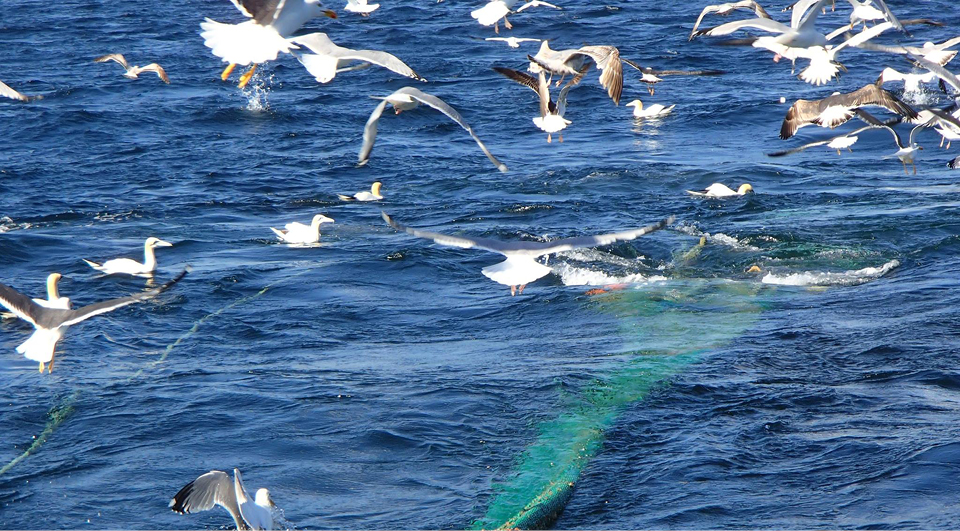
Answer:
x=380 y=381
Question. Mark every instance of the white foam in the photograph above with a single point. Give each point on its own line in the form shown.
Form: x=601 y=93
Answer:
x=257 y=91
x=7 y=225
x=720 y=238
x=843 y=278
x=578 y=276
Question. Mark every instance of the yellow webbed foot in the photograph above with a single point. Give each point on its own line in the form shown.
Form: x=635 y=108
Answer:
x=245 y=78
x=227 y=70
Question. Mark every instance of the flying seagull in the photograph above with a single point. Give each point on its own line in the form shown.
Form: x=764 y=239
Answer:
x=726 y=9
x=408 y=98
x=838 y=143
x=839 y=108
x=327 y=58
x=132 y=72
x=128 y=266
x=494 y=10
x=513 y=42
x=372 y=195
x=521 y=267
x=551 y=118
x=216 y=488
x=8 y=92
x=651 y=77
x=262 y=37
x=297 y=232
x=52 y=323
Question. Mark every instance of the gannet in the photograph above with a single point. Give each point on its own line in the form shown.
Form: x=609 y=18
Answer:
x=551 y=118
x=297 y=232
x=133 y=72
x=521 y=267
x=722 y=190
x=372 y=195
x=216 y=488
x=361 y=7
x=839 y=108
x=53 y=300
x=491 y=13
x=726 y=9
x=327 y=58
x=408 y=98
x=513 y=42
x=262 y=37
x=563 y=62
x=8 y=92
x=639 y=111
x=129 y=266
x=52 y=322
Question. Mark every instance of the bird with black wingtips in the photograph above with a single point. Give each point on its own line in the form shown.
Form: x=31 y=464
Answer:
x=216 y=488
x=133 y=72
x=837 y=108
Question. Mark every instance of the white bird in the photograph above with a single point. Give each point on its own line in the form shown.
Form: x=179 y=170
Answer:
x=51 y=323
x=564 y=62
x=216 y=488
x=133 y=72
x=651 y=77
x=297 y=232
x=328 y=58
x=491 y=13
x=53 y=300
x=129 y=266
x=722 y=190
x=361 y=7
x=940 y=54
x=408 y=98
x=726 y=9
x=838 y=143
x=908 y=152
x=551 y=118
x=513 y=42
x=8 y=92
x=372 y=195
x=262 y=37
x=822 y=67
x=864 y=12
x=521 y=267
x=653 y=111
x=911 y=82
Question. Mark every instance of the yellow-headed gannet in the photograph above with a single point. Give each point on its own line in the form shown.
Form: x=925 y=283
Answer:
x=216 y=488
x=521 y=267
x=652 y=111
x=53 y=300
x=722 y=190
x=372 y=195
x=129 y=266
x=297 y=232
x=52 y=322
x=133 y=72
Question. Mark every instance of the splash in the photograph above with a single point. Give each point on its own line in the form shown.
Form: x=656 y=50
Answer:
x=257 y=92
x=577 y=276
x=825 y=278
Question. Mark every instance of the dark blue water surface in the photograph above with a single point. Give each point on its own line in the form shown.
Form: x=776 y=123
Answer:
x=380 y=381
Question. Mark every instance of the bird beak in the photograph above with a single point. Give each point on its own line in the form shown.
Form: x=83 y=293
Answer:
x=162 y=243
x=330 y=13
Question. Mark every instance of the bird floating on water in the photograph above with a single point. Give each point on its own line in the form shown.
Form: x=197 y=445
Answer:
x=372 y=195
x=297 y=232
x=129 y=266
x=262 y=37
x=521 y=267
x=51 y=322
x=722 y=190
x=133 y=72
x=216 y=488
x=8 y=92
x=328 y=58
x=361 y=7
x=408 y=98
x=653 y=111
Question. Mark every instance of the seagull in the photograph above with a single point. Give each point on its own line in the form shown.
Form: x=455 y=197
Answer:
x=551 y=118
x=909 y=152
x=652 y=111
x=494 y=10
x=52 y=322
x=937 y=53
x=521 y=267
x=911 y=82
x=651 y=76
x=838 y=143
x=262 y=37
x=408 y=98
x=513 y=42
x=726 y=9
x=822 y=67
x=132 y=72
x=8 y=92
x=864 y=12
x=327 y=58
x=53 y=300
x=722 y=190
x=839 y=108
x=297 y=232
x=132 y=267
x=216 y=488
x=570 y=61
x=361 y=7
x=372 y=195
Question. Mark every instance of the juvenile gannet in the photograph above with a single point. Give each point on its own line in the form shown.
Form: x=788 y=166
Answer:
x=133 y=72
x=132 y=267
x=639 y=111
x=372 y=195
x=262 y=37
x=521 y=267
x=297 y=232
x=327 y=58
x=361 y=7
x=839 y=108
x=513 y=42
x=51 y=323
x=726 y=9
x=564 y=62
x=722 y=190
x=408 y=98
x=216 y=488
x=8 y=92
x=53 y=300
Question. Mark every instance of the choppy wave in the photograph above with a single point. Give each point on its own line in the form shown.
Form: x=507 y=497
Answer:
x=718 y=237
x=827 y=278
x=572 y=275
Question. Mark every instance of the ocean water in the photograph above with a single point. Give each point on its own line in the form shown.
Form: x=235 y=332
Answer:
x=380 y=381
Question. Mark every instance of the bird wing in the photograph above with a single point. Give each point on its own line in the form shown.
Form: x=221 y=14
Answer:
x=608 y=61
x=370 y=133
x=827 y=141
x=72 y=317
x=213 y=488
x=535 y=3
x=938 y=70
x=543 y=90
x=8 y=92
x=871 y=94
x=648 y=70
x=524 y=79
x=726 y=9
x=440 y=105
x=21 y=305
x=487 y=244
x=384 y=59
x=801 y=113
x=864 y=36
x=154 y=67
x=118 y=57
x=805 y=13
x=578 y=242
x=887 y=14
x=263 y=12
x=764 y=24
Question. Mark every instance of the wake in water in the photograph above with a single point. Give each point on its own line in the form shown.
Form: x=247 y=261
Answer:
x=842 y=278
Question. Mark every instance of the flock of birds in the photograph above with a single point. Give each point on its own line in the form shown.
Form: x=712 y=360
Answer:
x=271 y=27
